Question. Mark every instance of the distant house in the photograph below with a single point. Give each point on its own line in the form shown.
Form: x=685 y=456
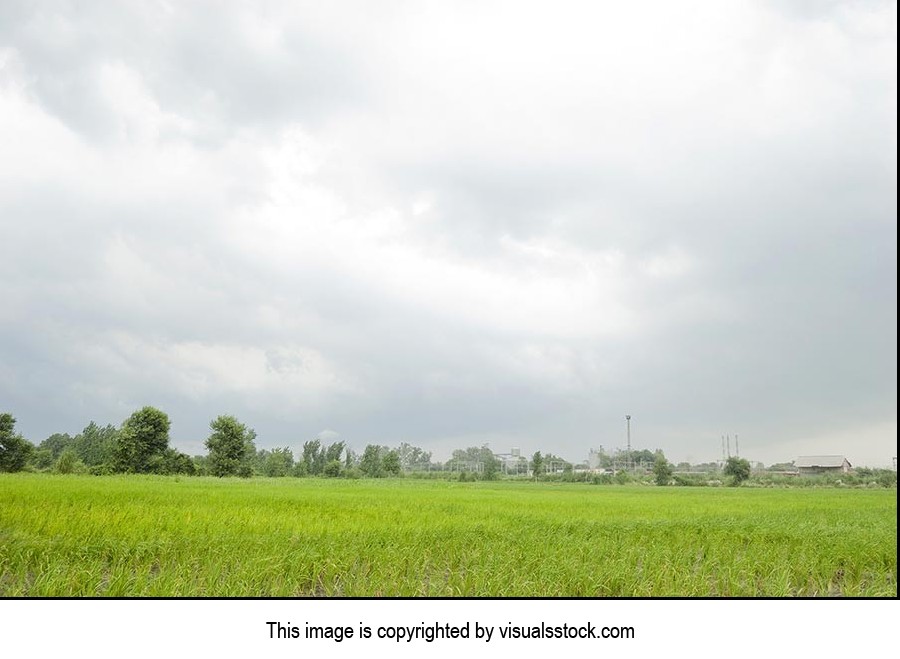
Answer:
x=822 y=464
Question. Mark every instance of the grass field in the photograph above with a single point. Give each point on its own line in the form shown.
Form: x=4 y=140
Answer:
x=164 y=536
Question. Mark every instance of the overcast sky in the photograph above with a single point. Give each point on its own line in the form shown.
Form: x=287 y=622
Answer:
x=455 y=223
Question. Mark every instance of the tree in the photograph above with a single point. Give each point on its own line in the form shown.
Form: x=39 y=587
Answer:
x=56 y=444
x=490 y=465
x=370 y=462
x=172 y=462
x=95 y=445
x=537 y=464
x=143 y=436
x=414 y=458
x=333 y=452
x=230 y=446
x=390 y=463
x=662 y=470
x=15 y=450
x=313 y=457
x=68 y=463
x=333 y=468
x=738 y=469
x=279 y=462
x=41 y=458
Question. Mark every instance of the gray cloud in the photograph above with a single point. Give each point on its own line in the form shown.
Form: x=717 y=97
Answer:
x=415 y=224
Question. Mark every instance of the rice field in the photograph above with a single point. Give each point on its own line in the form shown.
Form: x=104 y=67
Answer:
x=84 y=536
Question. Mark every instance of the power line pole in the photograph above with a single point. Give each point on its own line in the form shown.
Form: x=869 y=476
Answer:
x=628 y=431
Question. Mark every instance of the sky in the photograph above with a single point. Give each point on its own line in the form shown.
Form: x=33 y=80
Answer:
x=455 y=224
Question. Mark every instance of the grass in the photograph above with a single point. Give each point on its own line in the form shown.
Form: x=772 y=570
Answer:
x=165 y=536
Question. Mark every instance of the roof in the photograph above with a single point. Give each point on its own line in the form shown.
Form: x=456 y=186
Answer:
x=821 y=461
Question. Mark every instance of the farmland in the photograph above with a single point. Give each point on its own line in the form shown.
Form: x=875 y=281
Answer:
x=150 y=536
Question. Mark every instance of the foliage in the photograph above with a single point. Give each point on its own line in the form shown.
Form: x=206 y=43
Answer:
x=390 y=463
x=143 y=438
x=738 y=469
x=476 y=459
x=68 y=463
x=95 y=445
x=15 y=450
x=334 y=451
x=662 y=470
x=537 y=464
x=41 y=458
x=370 y=463
x=56 y=444
x=173 y=462
x=313 y=457
x=279 y=462
x=230 y=446
x=414 y=458
x=334 y=468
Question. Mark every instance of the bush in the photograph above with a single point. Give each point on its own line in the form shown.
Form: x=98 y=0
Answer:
x=738 y=469
x=68 y=463
x=333 y=468
x=353 y=473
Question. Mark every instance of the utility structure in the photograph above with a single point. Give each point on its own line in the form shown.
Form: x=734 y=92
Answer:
x=628 y=464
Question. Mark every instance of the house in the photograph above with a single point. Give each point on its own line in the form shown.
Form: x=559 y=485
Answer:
x=822 y=464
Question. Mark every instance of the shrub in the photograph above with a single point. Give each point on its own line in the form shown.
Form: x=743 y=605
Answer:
x=68 y=463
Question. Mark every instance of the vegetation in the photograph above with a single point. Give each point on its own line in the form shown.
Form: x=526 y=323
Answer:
x=662 y=470
x=137 y=535
x=738 y=469
x=230 y=447
x=142 y=442
x=15 y=450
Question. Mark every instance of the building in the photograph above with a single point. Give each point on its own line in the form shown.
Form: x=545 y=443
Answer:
x=822 y=464
x=512 y=462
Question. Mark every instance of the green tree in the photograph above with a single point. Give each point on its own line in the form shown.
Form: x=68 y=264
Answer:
x=738 y=469
x=56 y=444
x=313 y=457
x=414 y=458
x=230 y=446
x=201 y=465
x=143 y=438
x=334 y=468
x=95 y=445
x=173 y=462
x=370 y=462
x=279 y=462
x=15 y=450
x=68 y=463
x=390 y=463
x=41 y=458
x=537 y=464
x=662 y=470
x=334 y=451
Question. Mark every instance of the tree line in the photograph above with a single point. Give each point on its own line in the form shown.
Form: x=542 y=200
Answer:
x=140 y=445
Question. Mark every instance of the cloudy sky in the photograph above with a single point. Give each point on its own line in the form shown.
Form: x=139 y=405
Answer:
x=455 y=223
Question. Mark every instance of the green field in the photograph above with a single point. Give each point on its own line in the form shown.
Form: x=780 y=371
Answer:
x=165 y=536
